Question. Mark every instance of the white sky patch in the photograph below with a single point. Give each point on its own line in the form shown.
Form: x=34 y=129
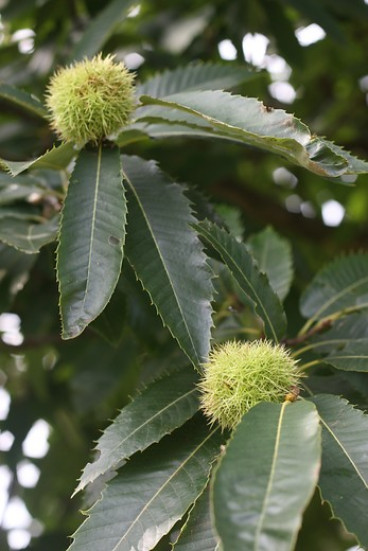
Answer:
x=6 y=441
x=18 y=538
x=363 y=83
x=283 y=177
x=134 y=11
x=254 y=48
x=10 y=329
x=310 y=34
x=133 y=60
x=4 y=404
x=27 y=474
x=277 y=67
x=16 y=515
x=332 y=213
x=307 y=209
x=282 y=91
x=25 y=40
x=293 y=203
x=36 y=444
x=227 y=50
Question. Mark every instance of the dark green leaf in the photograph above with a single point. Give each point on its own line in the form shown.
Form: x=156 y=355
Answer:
x=198 y=533
x=57 y=158
x=245 y=271
x=266 y=477
x=167 y=255
x=151 y=493
x=198 y=76
x=26 y=235
x=101 y=28
x=344 y=473
x=274 y=258
x=341 y=285
x=345 y=345
x=248 y=121
x=23 y=99
x=160 y=409
x=91 y=240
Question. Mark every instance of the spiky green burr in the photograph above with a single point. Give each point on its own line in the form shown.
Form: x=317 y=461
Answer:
x=90 y=99
x=239 y=375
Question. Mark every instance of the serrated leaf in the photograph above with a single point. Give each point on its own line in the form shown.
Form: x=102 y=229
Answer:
x=26 y=235
x=14 y=271
x=56 y=158
x=101 y=28
x=161 y=408
x=267 y=477
x=274 y=258
x=253 y=283
x=345 y=344
x=195 y=76
x=248 y=121
x=344 y=472
x=91 y=239
x=22 y=99
x=151 y=493
x=167 y=255
x=341 y=285
x=198 y=533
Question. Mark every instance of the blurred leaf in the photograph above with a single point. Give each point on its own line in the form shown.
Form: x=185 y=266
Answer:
x=267 y=477
x=26 y=235
x=167 y=255
x=248 y=121
x=344 y=473
x=274 y=258
x=253 y=283
x=197 y=533
x=345 y=344
x=151 y=493
x=56 y=158
x=161 y=408
x=22 y=99
x=91 y=239
x=14 y=272
x=196 y=76
x=339 y=286
x=15 y=189
x=100 y=29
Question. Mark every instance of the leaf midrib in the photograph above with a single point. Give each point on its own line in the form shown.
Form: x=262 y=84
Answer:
x=198 y=361
x=130 y=435
x=341 y=445
x=93 y=226
x=271 y=477
x=337 y=296
x=157 y=493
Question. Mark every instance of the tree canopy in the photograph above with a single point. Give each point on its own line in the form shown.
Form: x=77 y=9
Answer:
x=230 y=206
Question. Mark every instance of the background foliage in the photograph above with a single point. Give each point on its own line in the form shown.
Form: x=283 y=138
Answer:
x=77 y=386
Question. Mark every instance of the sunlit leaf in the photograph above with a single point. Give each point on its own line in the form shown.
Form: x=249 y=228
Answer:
x=248 y=121
x=267 y=477
x=151 y=493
